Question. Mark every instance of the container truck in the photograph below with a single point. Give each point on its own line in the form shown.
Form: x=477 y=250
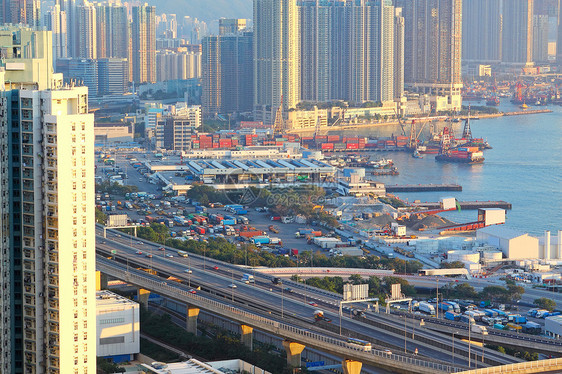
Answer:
x=294 y=252
x=241 y=211
x=452 y=316
x=517 y=318
x=275 y=241
x=426 y=308
x=479 y=329
x=456 y=306
x=445 y=307
x=260 y=240
x=247 y=278
x=499 y=326
x=491 y=313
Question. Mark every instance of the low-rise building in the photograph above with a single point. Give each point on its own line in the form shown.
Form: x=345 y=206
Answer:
x=118 y=326
x=515 y=245
x=553 y=326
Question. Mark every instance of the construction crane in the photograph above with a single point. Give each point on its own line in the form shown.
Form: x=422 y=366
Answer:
x=400 y=122
x=279 y=123
x=467 y=132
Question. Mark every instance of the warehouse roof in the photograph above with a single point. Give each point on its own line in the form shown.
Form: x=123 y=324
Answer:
x=502 y=232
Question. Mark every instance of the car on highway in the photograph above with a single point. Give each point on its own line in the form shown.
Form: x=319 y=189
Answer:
x=148 y=255
x=188 y=271
x=312 y=303
x=169 y=255
x=192 y=290
x=161 y=248
x=139 y=242
x=215 y=267
x=387 y=351
x=288 y=289
x=139 y=252
x=232 y=285
x=117 y=235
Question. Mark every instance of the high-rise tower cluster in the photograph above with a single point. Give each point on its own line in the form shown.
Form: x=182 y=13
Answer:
x=47 y=246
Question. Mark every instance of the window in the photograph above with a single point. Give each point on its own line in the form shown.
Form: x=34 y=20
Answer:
x=112 y=340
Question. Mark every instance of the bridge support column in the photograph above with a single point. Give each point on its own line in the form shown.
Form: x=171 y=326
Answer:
x=143 y=296
x=294 y=351
x=192 y=314
x=247 y=336
x=351 y=367
x=101 y=281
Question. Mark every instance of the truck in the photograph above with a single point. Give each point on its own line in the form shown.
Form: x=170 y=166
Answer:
x=467 y=319
x=274 y=229
x=243 y=220
x=456 y=306
x=294 y=252
x=276 y=280
x=260 y=239
x=247 y=278
x=426 y=308
x=319 y=316
x=452 y=316
x=478 y=329
x=549 y=314
x=241 y=211
x=517 y=318
x=288 y=219
x=275 y=241
x=445 y=307
x=491 y=313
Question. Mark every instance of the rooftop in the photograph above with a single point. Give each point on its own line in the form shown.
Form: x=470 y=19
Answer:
x=106 y=298
x=502 y=232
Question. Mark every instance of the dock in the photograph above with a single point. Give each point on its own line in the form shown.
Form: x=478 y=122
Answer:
x=423 y=187
x=467 y=205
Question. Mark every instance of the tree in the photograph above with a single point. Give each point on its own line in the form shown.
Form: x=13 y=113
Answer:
x=452 y=265
x=545 y=303
x=101 y=217
x=356 y=279
x=464 y=291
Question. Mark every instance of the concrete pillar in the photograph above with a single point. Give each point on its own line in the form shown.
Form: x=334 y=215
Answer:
x=351 y=367
x=547 y=245
x=192 y=314
x=294 y=351
x=559 y=247
x=101 y=281
x=143 y=296
x=247 y=336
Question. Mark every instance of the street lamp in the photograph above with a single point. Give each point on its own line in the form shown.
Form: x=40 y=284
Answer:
x=282 y=300
x=453 y=350
x=469 y=343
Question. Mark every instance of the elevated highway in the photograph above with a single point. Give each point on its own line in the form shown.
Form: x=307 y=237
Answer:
x=266 y=300
x=296 y=337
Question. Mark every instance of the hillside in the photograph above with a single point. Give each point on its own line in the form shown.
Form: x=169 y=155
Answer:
x=206 y=10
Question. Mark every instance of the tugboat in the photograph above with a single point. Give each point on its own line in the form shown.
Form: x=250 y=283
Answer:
x=493 y=101
x=417 y=154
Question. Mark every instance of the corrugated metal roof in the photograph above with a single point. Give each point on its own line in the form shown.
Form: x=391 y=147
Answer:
x=502 y=232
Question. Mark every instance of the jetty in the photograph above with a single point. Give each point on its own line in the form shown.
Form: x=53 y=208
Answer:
x=466 y=205
x=423 y=187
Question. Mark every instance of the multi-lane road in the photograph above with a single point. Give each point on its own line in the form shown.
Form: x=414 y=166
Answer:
x=216 y=277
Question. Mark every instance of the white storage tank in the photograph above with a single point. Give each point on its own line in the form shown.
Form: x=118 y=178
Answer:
x=492 y=255
x=463 y=256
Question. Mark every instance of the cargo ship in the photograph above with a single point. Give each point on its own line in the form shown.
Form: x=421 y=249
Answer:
x=493 y=101
x=464 y=155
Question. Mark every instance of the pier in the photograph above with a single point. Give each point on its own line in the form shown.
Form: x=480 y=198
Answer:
x=423 y=188
x=467 y=205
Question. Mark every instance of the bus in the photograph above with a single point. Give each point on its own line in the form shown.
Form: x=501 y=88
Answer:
x=183 y=254
x=358 y=343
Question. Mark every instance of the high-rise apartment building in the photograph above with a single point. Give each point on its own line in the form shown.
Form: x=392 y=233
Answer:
x=177 y=64
x=87 y=26
x=231 y=25
x=71 y=8
x=316 y=37
x=482 y=31
x=26 y=12
x=143 y=36
x=347 y=50
x=559 y=36
x=517 y=33
x=276 y=53
x=56 y=22
x=399 y=33
x=48 y=271
x=540 y=38
x=433 y=44
x=113 y=76
x=227 y=67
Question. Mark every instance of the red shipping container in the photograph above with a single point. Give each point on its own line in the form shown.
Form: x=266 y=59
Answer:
x=352 y=146
x=361 y=145
x=327 y=145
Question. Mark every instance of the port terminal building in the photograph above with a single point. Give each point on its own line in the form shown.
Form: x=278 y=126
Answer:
x=242 y=173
